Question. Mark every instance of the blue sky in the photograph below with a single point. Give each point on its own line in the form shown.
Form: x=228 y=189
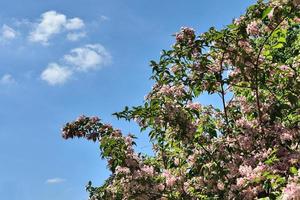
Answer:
x=60 y=59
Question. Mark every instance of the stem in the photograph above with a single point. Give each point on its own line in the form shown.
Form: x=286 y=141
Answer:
x=208 y=153
x=223 y=93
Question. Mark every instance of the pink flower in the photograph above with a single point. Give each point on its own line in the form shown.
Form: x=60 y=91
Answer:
x=81 y=118
x=286 y=136
x=175 y=68
x=161 y=187
x=220 y=186
x=291 y=192
x=240 y=182
x=193 y=106
x=191 y=160
x=176 y=161
x=122 y=170
x=149 y=170
x=284 y=68
x=245 y=170
x=186 y=186
x=297 y=20
x=185 y=34
x=271 y=14
x=252 y=28
x=235 y=72
x=287 y=69
x=177 y=90
x=128 y=140
x=244 y=44
x=245 y=142
x=238 y=20
x=170 y=179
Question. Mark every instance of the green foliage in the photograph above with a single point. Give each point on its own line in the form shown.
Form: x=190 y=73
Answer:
x=248 y=149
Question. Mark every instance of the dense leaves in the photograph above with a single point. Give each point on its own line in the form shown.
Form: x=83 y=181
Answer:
x=248 y=149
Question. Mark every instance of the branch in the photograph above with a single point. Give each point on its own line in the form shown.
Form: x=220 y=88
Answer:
x=257 y=69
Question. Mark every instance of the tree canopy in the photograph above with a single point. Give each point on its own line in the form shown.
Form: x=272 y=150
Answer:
x=248 y=149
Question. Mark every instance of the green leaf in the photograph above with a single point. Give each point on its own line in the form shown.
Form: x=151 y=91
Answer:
x=293 y=170
x=278 y=46
x=232 y=26
x=266 y=12
x=282 y=40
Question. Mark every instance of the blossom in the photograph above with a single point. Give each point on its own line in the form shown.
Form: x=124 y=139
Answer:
x=245 y=45
x=291 y=192
x=193 y=106
x=297 y=19
x=149 y=170
x=122 y=170
x=175 y=90
x=185 y=34
x=191 y=159
x=237 y=21
x=170 y=179
x=284 y=68
x=227 y=153
x=286 y=136
x=271 y=14
x=161 y=187
x=296 y=3
x=245 y=170
x=128 y=140
x=252 y=28
x=240 y=182
x=176 y=161
x=287 y=69
x=220 y=185
x=175 y=68
x=186 y=186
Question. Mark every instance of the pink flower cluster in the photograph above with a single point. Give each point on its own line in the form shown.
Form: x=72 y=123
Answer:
x=185 y=35
x=193 y=105
x=253 y=28
x=170 y=179
x=176 y=91
x=291 y=192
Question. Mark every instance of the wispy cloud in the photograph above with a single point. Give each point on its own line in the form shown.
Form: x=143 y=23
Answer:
x=54 y=74
x=104 y=18
x=8 y=33
x=22 y=22
x=53 y=23
x=7 y=79
x=55 y=180
x=75 y=36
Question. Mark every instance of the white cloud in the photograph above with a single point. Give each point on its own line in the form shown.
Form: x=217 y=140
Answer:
x=7 y=79
x=82 y=59
x=91 y=56
x=52 y=23
x=55 y=74
x=75 y=36
x=8 y=32
x=55 y=180
x=74 y=24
